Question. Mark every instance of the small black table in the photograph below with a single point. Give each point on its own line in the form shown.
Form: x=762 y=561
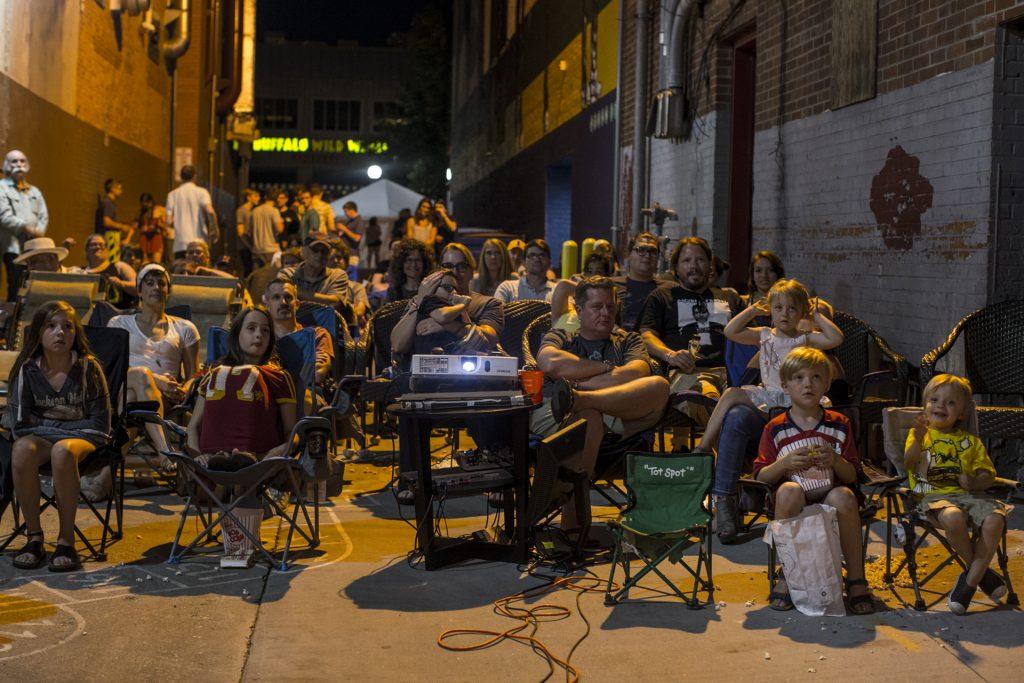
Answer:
x=414 y=427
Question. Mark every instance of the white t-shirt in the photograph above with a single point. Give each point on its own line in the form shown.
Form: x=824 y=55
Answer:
x=186 y=212
x=161 y=357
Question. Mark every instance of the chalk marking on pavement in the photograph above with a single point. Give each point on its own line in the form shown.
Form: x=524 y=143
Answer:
x=78 y=630
x=898 y=637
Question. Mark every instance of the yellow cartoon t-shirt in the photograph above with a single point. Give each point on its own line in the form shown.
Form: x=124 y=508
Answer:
x=944 y=457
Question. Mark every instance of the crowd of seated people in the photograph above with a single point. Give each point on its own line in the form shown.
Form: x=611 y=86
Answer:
x=626 y=345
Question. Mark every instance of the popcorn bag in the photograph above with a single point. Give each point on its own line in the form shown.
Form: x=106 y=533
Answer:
x=235 y=541
x=815 y=480
x=811 y=558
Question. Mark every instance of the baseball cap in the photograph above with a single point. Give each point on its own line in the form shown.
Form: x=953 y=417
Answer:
x=317 y=238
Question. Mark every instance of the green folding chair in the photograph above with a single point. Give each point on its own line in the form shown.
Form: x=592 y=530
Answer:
x=667 y=514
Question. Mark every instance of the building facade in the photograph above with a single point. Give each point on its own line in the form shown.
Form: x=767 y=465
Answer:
x=322 y=111
x=533 y=116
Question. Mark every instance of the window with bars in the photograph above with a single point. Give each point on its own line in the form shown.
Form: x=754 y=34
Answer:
x=341 y=115
x=277 y=113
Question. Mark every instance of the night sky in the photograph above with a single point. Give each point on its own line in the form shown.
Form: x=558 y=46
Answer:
x=368 y=21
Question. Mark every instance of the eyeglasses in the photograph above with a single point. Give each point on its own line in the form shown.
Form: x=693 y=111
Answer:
x=646 y=251
x=447 y=287
x=458 y=267
x=536 y=255
x=320 y=249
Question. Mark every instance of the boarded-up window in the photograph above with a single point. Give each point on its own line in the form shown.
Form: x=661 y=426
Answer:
x=854 y=51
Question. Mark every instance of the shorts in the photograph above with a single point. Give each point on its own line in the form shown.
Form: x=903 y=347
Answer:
x=708 y=381
x=977 y=508
x=151 y=244
x=542 y=422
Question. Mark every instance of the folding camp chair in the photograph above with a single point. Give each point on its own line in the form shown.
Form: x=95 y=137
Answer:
x=901 y=511
x=110 y=347
x=667 y=514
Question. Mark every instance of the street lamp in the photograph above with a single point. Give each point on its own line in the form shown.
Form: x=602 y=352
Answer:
x=448 y=174
x=374 y=172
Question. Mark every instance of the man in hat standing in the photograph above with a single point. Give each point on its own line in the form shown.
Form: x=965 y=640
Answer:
x=23 y=215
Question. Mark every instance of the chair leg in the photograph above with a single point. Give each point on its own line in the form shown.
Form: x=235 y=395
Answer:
x=1011 y=594
x=608 y=600
x=910 y=551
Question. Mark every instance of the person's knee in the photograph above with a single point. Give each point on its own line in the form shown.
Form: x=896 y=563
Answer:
x=843 y=500
x=21 y=453
x=993 y=525
x=953 y=519
x=62 y=458
x=789 y=495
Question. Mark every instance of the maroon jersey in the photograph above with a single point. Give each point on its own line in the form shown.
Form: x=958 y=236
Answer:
x=242 y=408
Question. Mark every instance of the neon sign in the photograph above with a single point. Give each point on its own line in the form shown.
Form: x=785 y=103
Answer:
x=318 y=146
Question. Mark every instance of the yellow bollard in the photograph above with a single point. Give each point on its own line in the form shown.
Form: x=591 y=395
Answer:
x=570 y=258
x=586 y=251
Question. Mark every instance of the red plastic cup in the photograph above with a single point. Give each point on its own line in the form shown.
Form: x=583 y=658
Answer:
x=532 y=382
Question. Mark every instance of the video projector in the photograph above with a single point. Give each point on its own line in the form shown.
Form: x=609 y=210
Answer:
x=447 y=372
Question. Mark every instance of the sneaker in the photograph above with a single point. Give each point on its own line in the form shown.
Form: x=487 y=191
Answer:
x=993 y=586
x=960 y=596
x=726 y=518
x=406 y=497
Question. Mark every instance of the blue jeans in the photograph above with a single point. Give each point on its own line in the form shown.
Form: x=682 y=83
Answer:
x=741 y=432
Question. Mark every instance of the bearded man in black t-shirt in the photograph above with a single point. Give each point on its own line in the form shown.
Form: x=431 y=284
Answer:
x=601 y=374
x=683 y=326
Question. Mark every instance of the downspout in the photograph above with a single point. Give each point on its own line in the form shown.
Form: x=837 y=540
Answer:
x=616 y=224
x=171 y=51
x=673 y=110
x=643 y=16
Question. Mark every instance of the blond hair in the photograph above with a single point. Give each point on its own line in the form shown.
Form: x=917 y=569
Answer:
x=802 y=358
x=794 y=291
x=969 y=420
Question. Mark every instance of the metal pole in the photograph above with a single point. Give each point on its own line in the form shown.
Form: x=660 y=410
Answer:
x=616 y=223
x=643 y=16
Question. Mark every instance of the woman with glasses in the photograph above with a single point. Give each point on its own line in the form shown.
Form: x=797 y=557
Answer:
x=495 y=268
x=411 y=261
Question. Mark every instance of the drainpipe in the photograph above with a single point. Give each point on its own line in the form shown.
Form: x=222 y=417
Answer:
x=616 y=179
x=673 y=111
x=643 y=17
x=171 y=51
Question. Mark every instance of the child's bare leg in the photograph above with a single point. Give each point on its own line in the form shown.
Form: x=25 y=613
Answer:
x=848 y=514
x=789 y=502
x=954 y=522
x=733 y=396
x=985 y=550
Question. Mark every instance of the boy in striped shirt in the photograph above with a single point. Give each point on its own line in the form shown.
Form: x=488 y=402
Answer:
x=808 y=454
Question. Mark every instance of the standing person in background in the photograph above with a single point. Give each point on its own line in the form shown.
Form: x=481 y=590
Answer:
x=446 y=227
x=23 y=216
x=267 y=227
x=322 y=208
x=115 y=232
x=495 y=268
x=190 y=213
x=310 y=218
x=373 y=239
x=152 y=226
x=635 y=286
x=351 y=226
x=421 y=225
x=290 y=217
x=243 y=228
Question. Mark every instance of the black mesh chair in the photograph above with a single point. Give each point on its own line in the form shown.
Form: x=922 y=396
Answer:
x=376 y=357
x=110 y=346
x=518 y=316
x=533 y=334
x=876 y=376
x=993 y=338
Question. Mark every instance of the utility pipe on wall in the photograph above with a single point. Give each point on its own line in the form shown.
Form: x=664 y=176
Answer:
x=643 y=16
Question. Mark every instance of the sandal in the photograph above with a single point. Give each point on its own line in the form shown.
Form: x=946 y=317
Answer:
x=562 y=399
x=860 y=604
x=67 y=551
x=33 y=548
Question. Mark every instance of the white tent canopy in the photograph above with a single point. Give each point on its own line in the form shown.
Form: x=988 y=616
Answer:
x=383 y=199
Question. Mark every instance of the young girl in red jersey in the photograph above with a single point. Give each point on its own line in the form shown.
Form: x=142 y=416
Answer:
x=809 y=455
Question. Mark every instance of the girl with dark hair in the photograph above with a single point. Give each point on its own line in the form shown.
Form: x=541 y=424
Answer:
x=765 y=269
x=495 y=268
x=245 y=410
x=599 y=263
x=410 y=263
x=422 y=225
x=58 y=411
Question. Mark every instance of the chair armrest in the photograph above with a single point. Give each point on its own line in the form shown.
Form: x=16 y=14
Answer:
x=754 y=484
x=153 y=417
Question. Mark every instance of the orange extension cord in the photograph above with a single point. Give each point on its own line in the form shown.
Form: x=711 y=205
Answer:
x=531 y=618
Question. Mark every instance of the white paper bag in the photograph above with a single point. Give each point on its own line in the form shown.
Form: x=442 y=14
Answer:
x=811 y=558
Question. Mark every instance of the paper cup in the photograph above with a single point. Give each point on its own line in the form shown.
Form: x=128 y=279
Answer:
x=533 y=384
